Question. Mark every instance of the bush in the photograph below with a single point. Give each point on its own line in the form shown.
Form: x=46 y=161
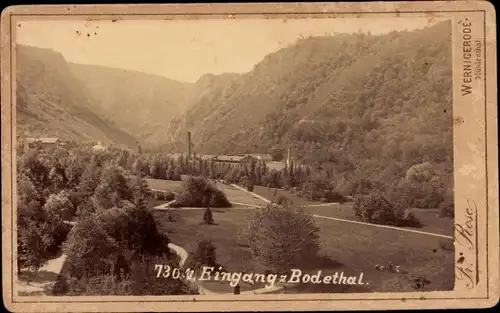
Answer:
x=40 y=233
x=447 y=208
x=163 y=195
x=205 y=255
x=430 y=200
x=334 y=196
x=90 y=251
x=281 y=238
x=378 y=209
x=59 y=236
x=242 y=236
x=250 y=187
x=105 y=285
x=61 y=205
x=207 y=217
x=199 y=192
x=144 y=281
x=284 y=200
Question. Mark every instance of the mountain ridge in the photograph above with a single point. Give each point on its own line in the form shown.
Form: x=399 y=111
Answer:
x=326 y=96
x=51 y=102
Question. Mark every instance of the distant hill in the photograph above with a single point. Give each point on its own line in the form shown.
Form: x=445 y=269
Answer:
x=141 y=103
x=383 y=101
x=51 y=101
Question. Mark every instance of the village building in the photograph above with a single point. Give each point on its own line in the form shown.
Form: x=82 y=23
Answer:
x=276 y=165
x=206 y=157
x=98 y=147
x=42 y=142
x=261 y=157
x=233 y=159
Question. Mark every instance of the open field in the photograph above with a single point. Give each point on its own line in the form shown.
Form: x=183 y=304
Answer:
x=269 y=194
x=152 y=202
x=187 y=230
x=167 y=185
x=345 y=247
x=240 y=196
x=428 y=217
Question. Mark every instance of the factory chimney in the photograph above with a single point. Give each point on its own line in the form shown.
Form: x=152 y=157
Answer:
x=188 y=146
x=289 y=157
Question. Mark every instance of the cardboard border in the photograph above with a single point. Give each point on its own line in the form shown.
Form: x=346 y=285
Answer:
x=445 y=299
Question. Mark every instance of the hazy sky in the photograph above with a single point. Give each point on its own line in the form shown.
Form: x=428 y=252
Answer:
x=186 y=50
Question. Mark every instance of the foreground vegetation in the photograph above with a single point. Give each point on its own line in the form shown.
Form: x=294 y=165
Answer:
x=114 y=244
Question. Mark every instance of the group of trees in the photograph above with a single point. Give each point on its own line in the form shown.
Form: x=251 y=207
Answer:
x=114 y=234
x=330 y=179
x=315 y=182
x=421 y=187
x=200 y=192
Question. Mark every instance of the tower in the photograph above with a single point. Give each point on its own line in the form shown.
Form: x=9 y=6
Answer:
x=289 y=157
x=188 y=146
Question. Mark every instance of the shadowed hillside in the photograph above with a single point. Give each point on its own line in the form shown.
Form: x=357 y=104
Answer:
x=139 y=102
x=386 y=100
x=51 y=101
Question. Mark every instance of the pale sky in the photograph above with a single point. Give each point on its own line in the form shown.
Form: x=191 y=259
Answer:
x=186 y=50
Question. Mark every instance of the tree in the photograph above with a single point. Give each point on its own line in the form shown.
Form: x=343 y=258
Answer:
x=32 y=165
x=61 y=205
x=89 y=178
x=425 y=185
x=199 y=192
x=31 y=244
x=207 y=217
x=27 y=191
x=205 y=255
x=90 y=251
x=277 y=154
x=281 y=237
x=40 y=232
x=74 y=172
x=378 y=208
x=57 y=176
x=140 y=191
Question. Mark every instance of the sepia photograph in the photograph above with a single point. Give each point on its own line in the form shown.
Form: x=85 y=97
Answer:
x=280 y=154
x=240 y=156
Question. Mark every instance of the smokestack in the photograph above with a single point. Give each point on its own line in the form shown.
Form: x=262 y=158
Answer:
x=289 y=157
x=189 y=145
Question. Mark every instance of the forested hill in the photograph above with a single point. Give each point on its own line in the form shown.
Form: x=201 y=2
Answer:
x=384 y=101
x=141 y=103
x=51 y=101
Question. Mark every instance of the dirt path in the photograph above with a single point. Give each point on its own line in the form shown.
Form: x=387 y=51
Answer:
x=183 y=255
x=252 y=193
x=43 y=280
x=383 y=226
x=356 y=222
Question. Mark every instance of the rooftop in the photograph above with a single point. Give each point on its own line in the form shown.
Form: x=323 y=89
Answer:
x=43 y=139
x=231 y=158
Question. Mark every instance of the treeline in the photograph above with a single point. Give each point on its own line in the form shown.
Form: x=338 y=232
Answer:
x=114 y=243
x=424 y=185
x=315 y=183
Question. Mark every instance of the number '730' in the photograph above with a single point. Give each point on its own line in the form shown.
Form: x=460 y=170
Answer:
x=167 y=271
